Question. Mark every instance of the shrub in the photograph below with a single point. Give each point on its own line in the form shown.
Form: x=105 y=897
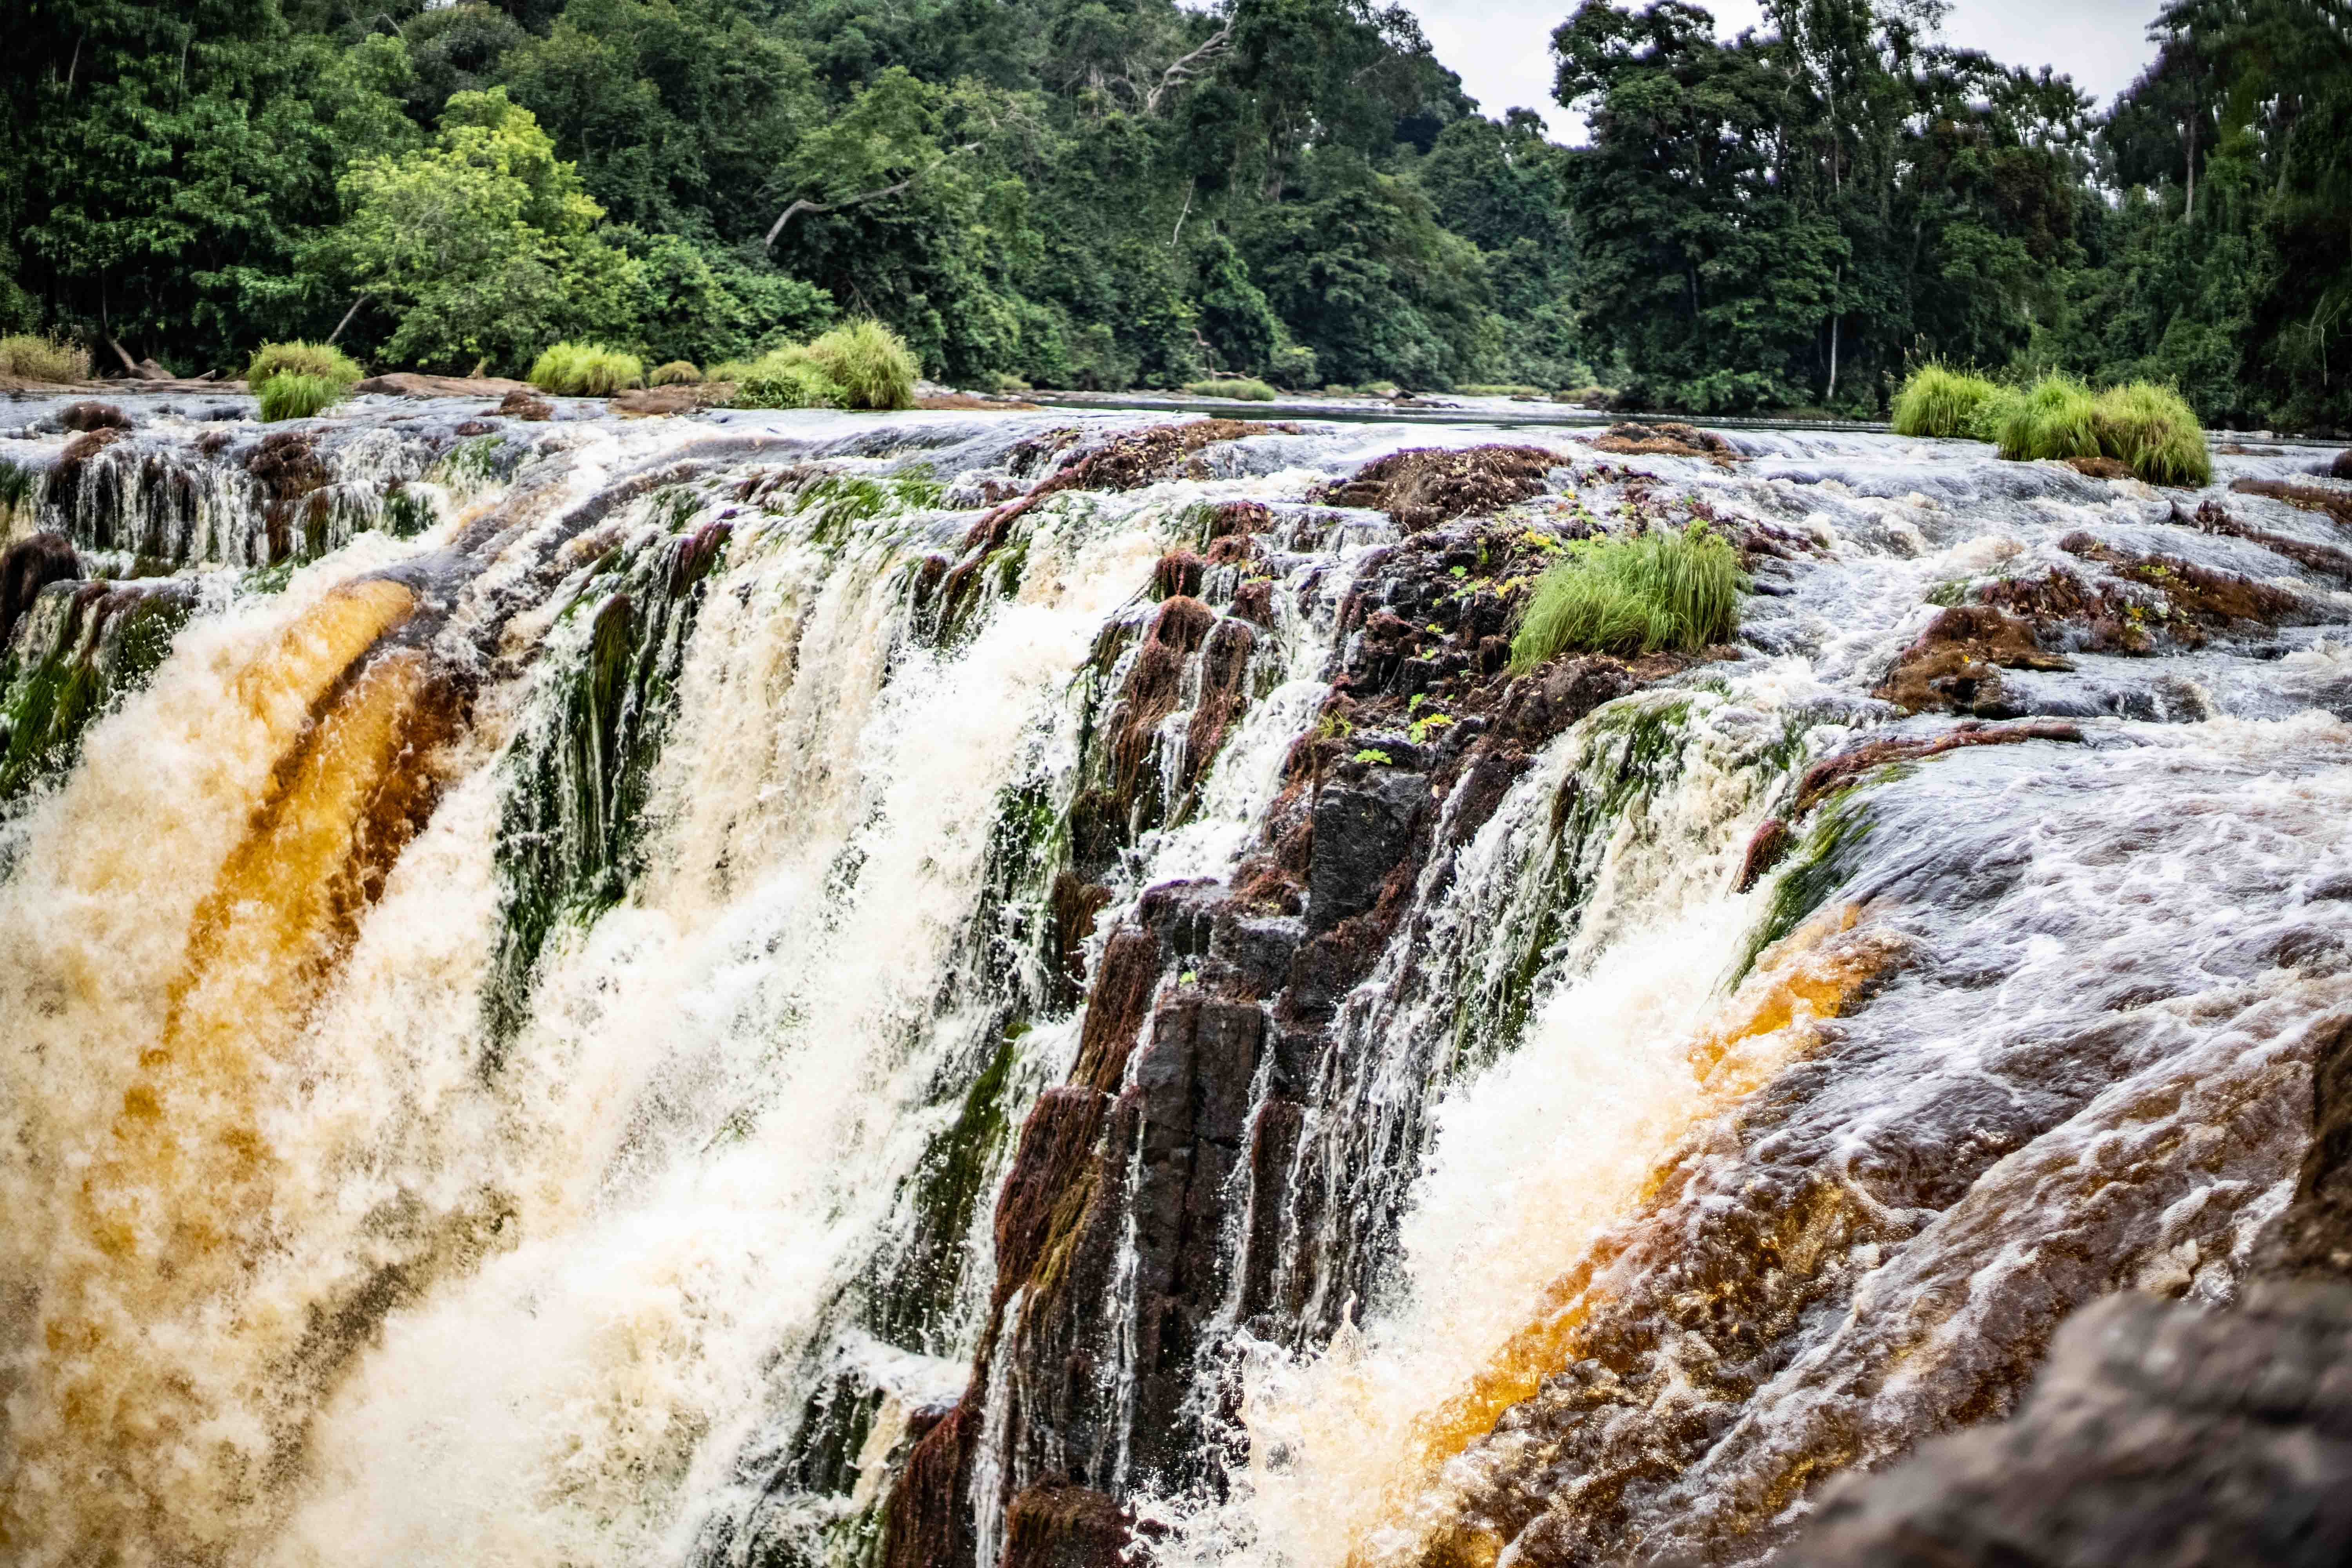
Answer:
x=870 y=364
x=1495 y=389
x=2054 y=418
x=2151 y=430
x=1249 y=389
x=291 y=396
x=319 y=361
x=585 y=370
x=43 y=359
x=675 y=371
x=781 y=378
x=1632 y=596
x=1993 y=413
x=1378 y=389
x=1937 y=400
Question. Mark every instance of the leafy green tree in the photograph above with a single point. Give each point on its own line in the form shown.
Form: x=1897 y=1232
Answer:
x=482 y=248
x=162 y=164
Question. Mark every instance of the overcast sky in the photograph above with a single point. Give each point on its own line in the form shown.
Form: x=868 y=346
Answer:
x=1503 y=47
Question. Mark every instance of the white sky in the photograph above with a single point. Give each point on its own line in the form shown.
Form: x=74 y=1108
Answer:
x=1503 y=47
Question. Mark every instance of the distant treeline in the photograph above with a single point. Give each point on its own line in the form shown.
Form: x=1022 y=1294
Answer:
x=1113 y=192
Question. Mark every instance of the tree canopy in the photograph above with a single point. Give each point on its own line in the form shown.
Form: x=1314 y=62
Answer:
x=1112 y=193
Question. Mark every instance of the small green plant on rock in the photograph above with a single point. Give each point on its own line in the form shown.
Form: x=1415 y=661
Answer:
x=2151 y=430
x=289 y=396
x=871 y=365
x=585 y=370
x=862 y=365
x=1249 y=389
x=1631 y=595
x=322 y=359
x=781 y=378
x=2055 y=417
x=1937 y=400
x=296 y=380
x=677 y=372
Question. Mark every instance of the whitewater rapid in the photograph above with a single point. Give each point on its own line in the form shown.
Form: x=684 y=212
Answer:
x=520 y=1035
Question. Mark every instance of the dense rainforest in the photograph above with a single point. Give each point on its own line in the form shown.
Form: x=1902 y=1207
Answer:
x=1107 y=193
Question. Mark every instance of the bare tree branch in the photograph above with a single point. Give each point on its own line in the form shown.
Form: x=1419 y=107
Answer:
x=1191 y=66
x=346 y=320
x=802 y=205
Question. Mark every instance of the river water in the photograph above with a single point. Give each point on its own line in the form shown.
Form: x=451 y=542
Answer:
x=519 y=996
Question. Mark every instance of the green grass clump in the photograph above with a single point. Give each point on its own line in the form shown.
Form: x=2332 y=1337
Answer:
x=1378 y=389
x=2152 y=430
x=1634 y=594
x=781 y=378
x=675 y=372
x=585 y=370
x=317 y=360
x=1937 y=400
x=871 y=365
x=38 y=358
x=1248 y=388
x=2055 y=417
x=289 y=395
x=1496 y=389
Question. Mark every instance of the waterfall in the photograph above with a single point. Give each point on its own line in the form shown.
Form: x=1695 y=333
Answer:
x=988 y=990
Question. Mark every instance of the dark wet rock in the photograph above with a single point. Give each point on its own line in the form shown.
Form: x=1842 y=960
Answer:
x=26 y=567
x=2158 y=1435
x=1062 y=1526
x=668 y=402
x=1361 y=834
x=2313 y=1239
x=2211 y=516
x=2340 y=466
x=80 y=450
x=926 y=1523
x=1127 y=461
x=522 y=404
x=2100 y=468
x=408 y=384
x=1833 y=774
x=2337 y=504
x=85 y=416
x=1954 y=663
x=1665 y=439
x=1179 y=572
x=1766 y=849
x=1424 y=486
x=2143 y=604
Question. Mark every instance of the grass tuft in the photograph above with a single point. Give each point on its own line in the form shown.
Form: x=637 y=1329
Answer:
x=1496 y=389
x=36 y=358
x=1937 y=400
x=319 y=361
x=1247 y=388
x=871 y=365
x=1635 y=595
x=585 y=370
x=2055 y=417
x=290 y=395
x=675 y=372
x=781 y=378
x=2151 y=430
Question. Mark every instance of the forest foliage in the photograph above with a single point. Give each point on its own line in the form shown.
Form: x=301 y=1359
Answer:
x=1106 y=193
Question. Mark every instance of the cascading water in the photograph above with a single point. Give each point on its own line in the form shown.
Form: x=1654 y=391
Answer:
x=827 y=989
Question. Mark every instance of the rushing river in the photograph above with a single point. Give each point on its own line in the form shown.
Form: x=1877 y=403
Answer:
x=726 y=992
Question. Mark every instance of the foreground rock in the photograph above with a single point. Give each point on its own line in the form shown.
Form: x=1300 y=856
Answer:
x=2159 y=1434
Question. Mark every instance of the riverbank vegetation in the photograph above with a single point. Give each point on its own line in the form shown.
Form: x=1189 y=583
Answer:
x=1054 y=194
